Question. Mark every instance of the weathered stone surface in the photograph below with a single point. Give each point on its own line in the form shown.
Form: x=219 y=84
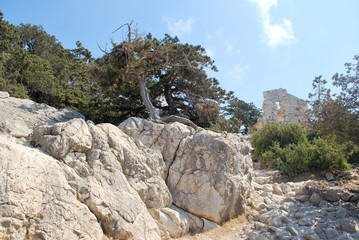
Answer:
x=4 y=94
x=112 y=178
x=331 y=195
x=162 y=138
x=61 y=138
x=20 y=116
x=94 y=156
x=329 y=176
x=349 y=225
x=279 y=106
x=315 y=199
x=210 y=177
x=37 y=202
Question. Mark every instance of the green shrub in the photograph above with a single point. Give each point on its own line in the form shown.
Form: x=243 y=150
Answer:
x=273 y=133
x=287 y=148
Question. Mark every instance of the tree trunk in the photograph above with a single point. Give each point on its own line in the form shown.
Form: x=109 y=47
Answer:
x=153 y=112
x=168 y=96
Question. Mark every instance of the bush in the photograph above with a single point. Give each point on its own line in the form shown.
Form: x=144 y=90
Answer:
x=272 y=133
x=287 y=148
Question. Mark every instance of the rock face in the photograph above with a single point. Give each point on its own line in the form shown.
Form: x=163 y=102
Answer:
x=142 y=180
x=280 y=106
x=211 y=175
x=20 y=116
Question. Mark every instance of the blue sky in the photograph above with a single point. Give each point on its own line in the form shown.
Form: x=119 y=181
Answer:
x=257 y=45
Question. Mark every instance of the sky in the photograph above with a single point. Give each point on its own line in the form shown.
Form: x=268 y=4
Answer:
x=257 y=45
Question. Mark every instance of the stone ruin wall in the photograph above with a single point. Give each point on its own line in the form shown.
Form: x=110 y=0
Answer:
x=282 y=107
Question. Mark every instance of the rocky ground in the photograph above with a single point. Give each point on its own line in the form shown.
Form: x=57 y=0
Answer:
x=321 y=206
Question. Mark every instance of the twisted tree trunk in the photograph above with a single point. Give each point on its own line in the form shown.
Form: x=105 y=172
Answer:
x=154 y=112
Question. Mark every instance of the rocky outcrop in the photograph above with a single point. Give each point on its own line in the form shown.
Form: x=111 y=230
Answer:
x=20 y=116
x=310 y=209
x=142 y=180
x=210 y=176
x=37 y=200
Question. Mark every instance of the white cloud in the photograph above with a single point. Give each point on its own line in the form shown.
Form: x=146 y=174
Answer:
x=180 y=27
x=229 y=46
x=237 y=71
x=275 y=34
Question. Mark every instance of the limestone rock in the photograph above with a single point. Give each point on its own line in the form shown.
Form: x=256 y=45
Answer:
x=37 y=201
x=144 y=168
x=331 y=195
x=315 y=199
x=177 y=222
x=20 y=116
x=349 y=225
x=61 y=138
x=163 y=138
x=4 y=94
x=210 y=177
x=92 y=181
x=329 y=176
x=100 y=182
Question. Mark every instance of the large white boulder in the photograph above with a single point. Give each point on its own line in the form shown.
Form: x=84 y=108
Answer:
x=211 y=175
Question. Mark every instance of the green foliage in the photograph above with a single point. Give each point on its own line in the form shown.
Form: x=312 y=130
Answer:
x=287 y=148
x=271 y=133
x=232 y=125
x=337 y=114
x=240 y=111
x=34 y=64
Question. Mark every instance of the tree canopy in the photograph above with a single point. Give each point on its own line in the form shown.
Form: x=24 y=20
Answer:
x=35 y=65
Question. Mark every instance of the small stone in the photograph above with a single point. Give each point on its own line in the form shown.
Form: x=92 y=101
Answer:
x=310 y=235
x=261 y=207
x=267 y=188
x=329 y=176
x=302 y=198
x=345 y=236
x=315 y=199
x=299 y=215
x=307 y=221
x=266 y=217
x=285 y=219
x=285 y=188
x=331 y=233
x=259 y=226
x=323 y=204
x=346 y=196
x=292 y=230
x=255 y=236
x=277 y=189
x=331 y=195
x=318 y=230
x=349 y=225
x=261 y=180
x=4 y=94
x=276 y=222
x=341 y=213
x=301 y=191
x=354 y=198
